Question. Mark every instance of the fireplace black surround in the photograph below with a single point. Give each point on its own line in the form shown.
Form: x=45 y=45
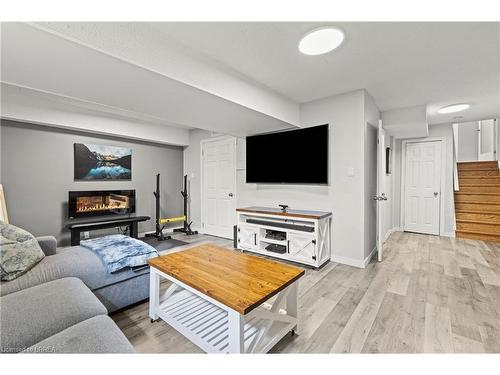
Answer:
x=100 y=203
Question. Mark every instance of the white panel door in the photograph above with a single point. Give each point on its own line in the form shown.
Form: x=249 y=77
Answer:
x=422 y=187
x=381 y=197
x=486 y=140
x=218 y=187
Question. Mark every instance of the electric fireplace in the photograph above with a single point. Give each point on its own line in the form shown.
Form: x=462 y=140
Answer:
x=100 y=203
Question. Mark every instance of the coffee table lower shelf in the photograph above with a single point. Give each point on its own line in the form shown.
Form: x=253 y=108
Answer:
x=216 y=328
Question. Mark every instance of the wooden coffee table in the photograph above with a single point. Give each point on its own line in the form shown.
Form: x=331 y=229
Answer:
x=218 y=298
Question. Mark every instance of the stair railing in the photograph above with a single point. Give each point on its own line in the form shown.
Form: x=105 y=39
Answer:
x=456 y=185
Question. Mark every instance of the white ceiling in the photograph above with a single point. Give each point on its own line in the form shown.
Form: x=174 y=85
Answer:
x=399 y=64
x=72 y=70
x=245 y=78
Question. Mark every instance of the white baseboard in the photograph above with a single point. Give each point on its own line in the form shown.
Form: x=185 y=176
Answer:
x=391 y=231
x=354 y=262
x=348 y=261
x=369 y=257
x=448 y=234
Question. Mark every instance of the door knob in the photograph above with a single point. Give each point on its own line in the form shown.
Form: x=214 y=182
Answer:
x=376 y=198
x=383 y=197
x=436 y=193
x=231 y=195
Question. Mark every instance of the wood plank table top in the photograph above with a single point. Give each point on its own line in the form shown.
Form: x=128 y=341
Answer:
x=289 y=212
x=239 y=281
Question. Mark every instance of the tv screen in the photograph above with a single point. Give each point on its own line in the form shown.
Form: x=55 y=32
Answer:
x=289 y=157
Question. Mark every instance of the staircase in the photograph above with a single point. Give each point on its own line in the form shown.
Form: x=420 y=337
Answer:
x=477 y=203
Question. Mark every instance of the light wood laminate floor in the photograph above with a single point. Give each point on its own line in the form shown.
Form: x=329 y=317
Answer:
x=429 y=295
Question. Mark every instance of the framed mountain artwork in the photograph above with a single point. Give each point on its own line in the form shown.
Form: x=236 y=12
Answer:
x=99 y=162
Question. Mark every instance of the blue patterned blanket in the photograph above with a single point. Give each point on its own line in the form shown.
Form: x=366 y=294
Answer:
x=118 y=251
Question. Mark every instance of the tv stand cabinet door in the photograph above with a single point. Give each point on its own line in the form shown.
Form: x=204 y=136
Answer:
x=302 y=248
x=248 y=237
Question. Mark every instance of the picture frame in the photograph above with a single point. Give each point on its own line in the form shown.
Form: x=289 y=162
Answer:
x=102 y=162
x=388 y=160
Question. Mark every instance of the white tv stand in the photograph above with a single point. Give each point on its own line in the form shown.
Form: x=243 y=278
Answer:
x=305 y=235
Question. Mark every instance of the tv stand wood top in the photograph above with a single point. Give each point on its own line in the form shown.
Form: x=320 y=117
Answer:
x=304 y=214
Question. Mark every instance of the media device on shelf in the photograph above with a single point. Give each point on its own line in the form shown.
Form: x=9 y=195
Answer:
x=275 y=248
x=288 y=157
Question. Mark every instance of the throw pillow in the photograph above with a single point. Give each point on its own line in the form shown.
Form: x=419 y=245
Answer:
x=19 y=251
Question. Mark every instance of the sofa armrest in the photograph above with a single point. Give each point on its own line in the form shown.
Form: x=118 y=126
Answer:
x=48 y=244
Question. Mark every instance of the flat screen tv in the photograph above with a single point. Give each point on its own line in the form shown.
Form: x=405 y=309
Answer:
x=288 y=157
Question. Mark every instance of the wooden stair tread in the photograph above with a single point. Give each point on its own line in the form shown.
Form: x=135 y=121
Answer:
x=477 y=222
x=478 y=169
x=477 y=236
x=480 y=185
x=477 y=172
x=483 y=203
x=476 y=232
x=478 y=165
x=474 y=193
x=477 y=203
x=477 y=162
x=480 y=177
x=462 y=211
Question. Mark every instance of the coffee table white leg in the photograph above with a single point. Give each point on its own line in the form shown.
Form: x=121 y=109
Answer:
x=236 y=323
x=154 y=293
x=292 y=303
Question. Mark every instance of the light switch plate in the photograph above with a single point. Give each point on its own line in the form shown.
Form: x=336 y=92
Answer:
x=350 y=172
x=86 y=235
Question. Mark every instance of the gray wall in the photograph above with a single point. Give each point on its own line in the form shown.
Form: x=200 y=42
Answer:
x=37 y=173
x=467 y=141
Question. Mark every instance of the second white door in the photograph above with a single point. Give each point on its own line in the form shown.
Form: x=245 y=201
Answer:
x=486 y=140
x=422 y=192
x=219 y=186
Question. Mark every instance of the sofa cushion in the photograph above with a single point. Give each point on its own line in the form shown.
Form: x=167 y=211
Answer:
x=95 y=335
x=19 y=251
x=48 y=244
x=33 y=314
x=74 y=261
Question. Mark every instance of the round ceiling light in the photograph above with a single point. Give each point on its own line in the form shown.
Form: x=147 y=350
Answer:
x=454 y=108
x=320 y=41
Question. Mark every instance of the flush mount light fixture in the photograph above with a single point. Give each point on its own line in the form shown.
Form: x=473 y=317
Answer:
x=454 y=108
x=320 y=41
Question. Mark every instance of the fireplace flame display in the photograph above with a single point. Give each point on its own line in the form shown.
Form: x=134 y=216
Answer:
x=102 y=203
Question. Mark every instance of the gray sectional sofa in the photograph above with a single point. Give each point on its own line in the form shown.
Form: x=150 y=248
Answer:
x=115 y=291
x=60 y=316
x=61 y=304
